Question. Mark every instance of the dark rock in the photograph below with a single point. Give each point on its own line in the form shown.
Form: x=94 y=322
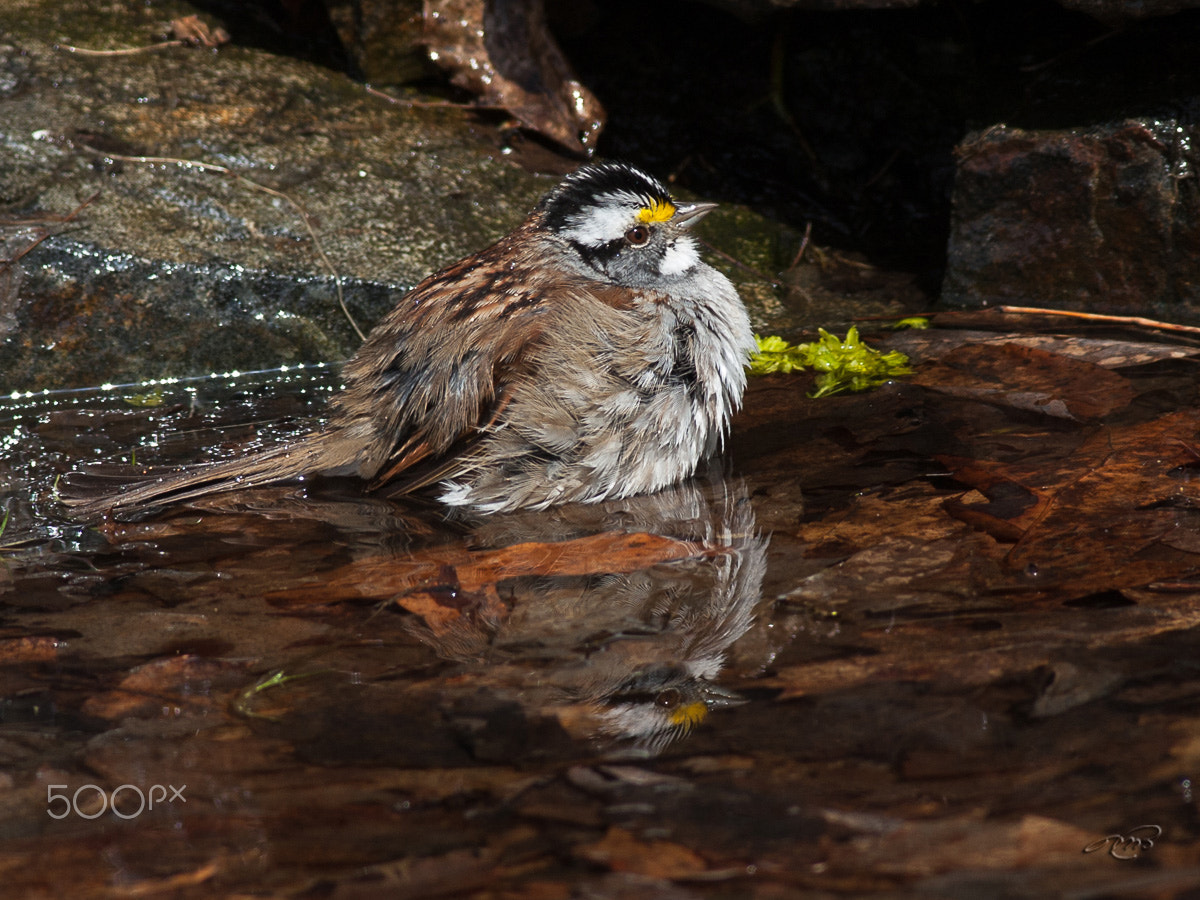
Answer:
x=1105 y=219
x=1118 y=12
x=205 y=171
x=177 y=269
x=383 y=38
x=1111 y=12
x=754 y=8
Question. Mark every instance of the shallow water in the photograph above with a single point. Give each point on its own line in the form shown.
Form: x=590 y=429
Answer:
x=827 y=664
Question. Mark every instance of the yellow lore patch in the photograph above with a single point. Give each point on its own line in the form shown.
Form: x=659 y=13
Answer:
x=657 y=211
x=689 y=715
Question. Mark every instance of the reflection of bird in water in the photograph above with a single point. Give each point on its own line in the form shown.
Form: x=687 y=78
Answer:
x=672 y=686
x=627 y=658
x=657 y=706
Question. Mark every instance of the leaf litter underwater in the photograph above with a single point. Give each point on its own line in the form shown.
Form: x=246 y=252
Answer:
x=933 y=639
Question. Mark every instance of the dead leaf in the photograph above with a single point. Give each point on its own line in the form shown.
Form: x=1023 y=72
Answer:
x=1029 y=379
x=442 y=611
x=935 y=651
x=31 y=649
x=451 y=872
x=386 y=577
x=963 y=843
x=502 y=52
x=621 y=851
x=177 y=882
x=1088 y=518
x=192 y=30
x=166 y=687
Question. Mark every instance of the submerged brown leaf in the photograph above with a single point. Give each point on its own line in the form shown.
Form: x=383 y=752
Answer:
x=443 y=610
x=168 y=687
x=1094 y=516
x=1028 y=378
x=502 y=52
x=438 y=582
x=28 y=649
x=920 y=687
x=967 y=842
x=623 y=851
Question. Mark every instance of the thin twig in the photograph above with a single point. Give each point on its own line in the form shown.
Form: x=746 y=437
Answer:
x=1099 y=317
x=225 y=170
x=882 y=169
x=1136 y=321
x=431 y=104
x=803 y=245
x=1087 y=45
x=779 y=102
x=127 y=51
x=852 y=263
x=57 y=219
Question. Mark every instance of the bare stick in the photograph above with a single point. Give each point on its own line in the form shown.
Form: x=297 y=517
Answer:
x=803 y=245
x=59 y=220
x=127 y=51
x=430 y=104
x=1099 y=317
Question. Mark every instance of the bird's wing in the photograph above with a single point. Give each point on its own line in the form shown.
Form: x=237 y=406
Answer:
x=436 y=372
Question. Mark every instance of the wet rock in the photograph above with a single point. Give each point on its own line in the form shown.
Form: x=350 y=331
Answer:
x=382 y=37
x=1105 y=219
x=226 y=189
x=176 y=268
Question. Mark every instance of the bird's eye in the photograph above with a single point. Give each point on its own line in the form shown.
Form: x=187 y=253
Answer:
x=669 y=699
x=638 y=235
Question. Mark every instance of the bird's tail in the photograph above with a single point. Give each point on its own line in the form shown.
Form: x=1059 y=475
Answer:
x=101 y=489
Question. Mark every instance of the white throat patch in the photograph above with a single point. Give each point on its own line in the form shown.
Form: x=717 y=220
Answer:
x=681 y=255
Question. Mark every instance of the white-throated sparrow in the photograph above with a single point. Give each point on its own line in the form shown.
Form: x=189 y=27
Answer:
x=589 y=354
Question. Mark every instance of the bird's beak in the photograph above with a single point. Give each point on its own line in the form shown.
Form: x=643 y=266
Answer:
x=714 y=694
x=689 y=215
